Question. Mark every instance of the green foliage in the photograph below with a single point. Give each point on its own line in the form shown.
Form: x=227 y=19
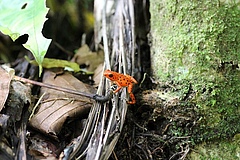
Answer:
x=18 y=17
x=58 y=63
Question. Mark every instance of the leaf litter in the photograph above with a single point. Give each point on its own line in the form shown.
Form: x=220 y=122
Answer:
x=56 y=106
x=6 y=77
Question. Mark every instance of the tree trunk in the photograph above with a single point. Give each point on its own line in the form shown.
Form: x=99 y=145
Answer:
x=196 y=47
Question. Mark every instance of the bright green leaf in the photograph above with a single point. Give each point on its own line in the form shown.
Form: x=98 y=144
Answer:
x=19 y=17
x=58 y=63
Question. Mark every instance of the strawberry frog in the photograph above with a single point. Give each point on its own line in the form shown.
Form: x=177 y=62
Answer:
x=122 y=80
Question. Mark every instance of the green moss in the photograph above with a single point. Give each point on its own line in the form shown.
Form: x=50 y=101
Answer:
x=226 y=149
x=195 y=36
x=197 y=43
x=220 y=108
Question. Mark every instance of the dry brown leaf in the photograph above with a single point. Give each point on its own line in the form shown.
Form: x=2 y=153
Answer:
x=57 y=106
x=6 y=77
x=90 y=59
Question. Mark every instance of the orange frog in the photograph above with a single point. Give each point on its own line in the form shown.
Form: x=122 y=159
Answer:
x=122 y=80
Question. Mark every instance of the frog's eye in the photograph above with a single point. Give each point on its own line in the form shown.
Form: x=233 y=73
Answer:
x=110 y=75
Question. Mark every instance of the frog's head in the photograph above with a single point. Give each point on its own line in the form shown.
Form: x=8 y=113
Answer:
x=110 y=75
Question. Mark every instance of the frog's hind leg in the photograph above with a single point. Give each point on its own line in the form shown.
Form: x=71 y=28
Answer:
x=132 y=97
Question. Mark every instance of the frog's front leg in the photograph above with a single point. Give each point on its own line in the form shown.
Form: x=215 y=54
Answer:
x=119 y=87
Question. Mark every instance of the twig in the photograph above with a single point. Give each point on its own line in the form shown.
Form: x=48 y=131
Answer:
x=35 y=107
x=84 y=94
x=115 y=156
x=143 y=150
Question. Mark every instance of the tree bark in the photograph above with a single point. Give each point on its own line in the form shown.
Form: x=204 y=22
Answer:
x=197 y=44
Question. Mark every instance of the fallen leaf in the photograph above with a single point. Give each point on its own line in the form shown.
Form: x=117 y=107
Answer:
x=6 y=75
x=57 y=106
x=88 y=58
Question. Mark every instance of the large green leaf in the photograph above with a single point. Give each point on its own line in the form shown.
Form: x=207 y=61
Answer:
x=19 y=17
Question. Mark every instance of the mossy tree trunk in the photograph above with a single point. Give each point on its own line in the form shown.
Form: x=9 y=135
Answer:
x=197 y=43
